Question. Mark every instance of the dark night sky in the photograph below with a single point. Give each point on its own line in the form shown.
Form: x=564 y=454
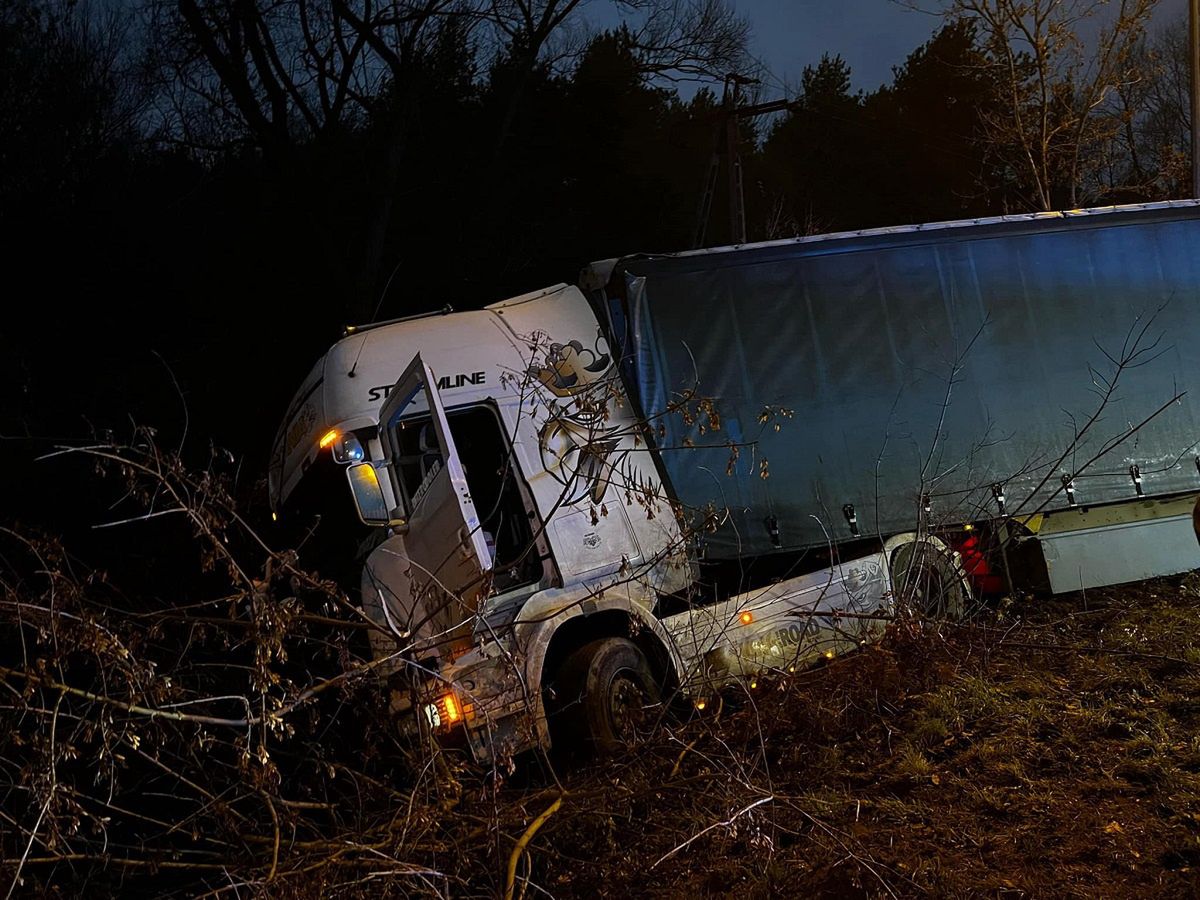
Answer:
x=871 y=35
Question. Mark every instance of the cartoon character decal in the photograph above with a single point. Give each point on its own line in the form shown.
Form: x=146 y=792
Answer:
x=578 y=445
x=578 y=457
x=571 y=367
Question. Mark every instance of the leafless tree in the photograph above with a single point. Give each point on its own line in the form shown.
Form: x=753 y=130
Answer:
x=1061 y=88
x=70 y=92
x=277 y=73
x=1159 y=134
x=673 y=39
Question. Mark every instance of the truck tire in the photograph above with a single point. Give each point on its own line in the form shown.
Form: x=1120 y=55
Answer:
x=606 y=695
x=928 y=579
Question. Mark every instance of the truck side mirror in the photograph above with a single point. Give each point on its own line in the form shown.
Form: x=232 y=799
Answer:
x=369 y=496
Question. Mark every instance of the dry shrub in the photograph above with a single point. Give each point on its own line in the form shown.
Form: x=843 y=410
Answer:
x=209 y=722
x=212 y=721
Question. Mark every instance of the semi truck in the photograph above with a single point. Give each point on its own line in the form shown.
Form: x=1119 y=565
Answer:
x=696 y=469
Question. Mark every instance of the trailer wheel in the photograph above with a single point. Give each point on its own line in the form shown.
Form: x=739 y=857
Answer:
x=928 y=579
x=606 y=697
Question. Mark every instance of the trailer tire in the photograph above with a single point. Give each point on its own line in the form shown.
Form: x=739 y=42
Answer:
x=928 y=578
x=606 y=697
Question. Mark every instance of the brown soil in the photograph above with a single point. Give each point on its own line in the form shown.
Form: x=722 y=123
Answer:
x=1053 y=752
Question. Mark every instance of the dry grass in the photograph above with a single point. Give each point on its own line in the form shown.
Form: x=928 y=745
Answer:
x=1051 y=751
x=955 y=765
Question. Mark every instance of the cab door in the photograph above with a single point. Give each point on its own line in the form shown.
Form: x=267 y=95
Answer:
x=445 y=553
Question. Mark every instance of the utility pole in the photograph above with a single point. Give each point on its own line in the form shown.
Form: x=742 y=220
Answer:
x=727 y=133
x=726 y=139
x=737 y=196
x=1194 y=58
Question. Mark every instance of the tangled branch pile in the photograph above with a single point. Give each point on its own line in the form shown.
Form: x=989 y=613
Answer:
x=215 y=726
x=223 y=729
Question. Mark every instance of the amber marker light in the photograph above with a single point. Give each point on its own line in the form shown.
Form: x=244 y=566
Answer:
x=328 y=438
x=746 y=617
x=453 y=713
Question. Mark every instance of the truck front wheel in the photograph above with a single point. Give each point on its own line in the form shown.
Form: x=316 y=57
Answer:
x=927 y=577
x=606 y=696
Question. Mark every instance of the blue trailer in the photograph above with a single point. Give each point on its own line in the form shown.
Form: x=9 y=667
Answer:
x=1035 y=370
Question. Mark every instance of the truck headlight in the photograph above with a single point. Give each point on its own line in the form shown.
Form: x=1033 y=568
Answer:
x=348 y=449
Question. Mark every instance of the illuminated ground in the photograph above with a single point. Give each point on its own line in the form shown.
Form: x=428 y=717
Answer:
x=1052 y=752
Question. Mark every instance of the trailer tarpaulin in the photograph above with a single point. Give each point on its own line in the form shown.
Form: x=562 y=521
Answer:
x=880 y=372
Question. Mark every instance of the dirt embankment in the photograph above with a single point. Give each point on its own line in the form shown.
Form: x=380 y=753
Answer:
x=1047 y=749
x=1053 y=752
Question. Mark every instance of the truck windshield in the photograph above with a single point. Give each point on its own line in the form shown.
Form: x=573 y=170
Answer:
x=484 y=452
